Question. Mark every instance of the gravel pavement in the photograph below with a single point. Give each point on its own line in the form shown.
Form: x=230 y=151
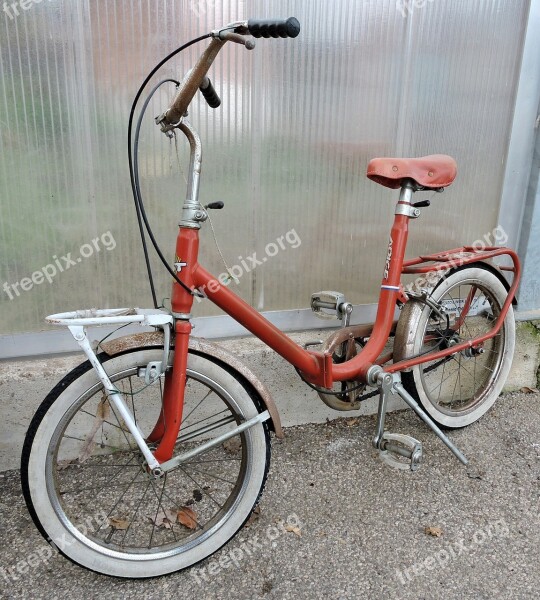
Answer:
x=335 y=522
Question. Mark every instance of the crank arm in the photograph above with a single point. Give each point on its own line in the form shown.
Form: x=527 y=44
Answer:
x=391 y=384
x=408 y=399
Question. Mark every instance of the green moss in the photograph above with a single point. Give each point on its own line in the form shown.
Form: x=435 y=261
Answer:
x=535 y=330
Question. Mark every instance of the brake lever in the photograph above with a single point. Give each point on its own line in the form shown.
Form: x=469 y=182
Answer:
x=237 y=38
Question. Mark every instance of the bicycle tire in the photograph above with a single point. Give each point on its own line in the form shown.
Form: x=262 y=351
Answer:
x=54 y=513
x=469 y=383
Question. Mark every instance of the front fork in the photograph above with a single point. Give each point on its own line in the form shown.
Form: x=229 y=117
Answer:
x=167 y=428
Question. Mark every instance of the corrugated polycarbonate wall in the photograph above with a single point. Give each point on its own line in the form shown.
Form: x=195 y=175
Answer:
x=286 y=152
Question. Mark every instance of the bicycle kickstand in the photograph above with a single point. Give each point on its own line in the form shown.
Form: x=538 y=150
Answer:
x=394 y=447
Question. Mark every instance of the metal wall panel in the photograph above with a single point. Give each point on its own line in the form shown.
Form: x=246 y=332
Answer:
x=287 y=151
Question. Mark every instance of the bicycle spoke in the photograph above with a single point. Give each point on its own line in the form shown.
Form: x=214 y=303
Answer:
x=210 y=475
x=205 y=429
x=203 y=420
x=97 y=489
x=459 y=378
x=131 y=395
x=157 y=511
x=123 y=494
x=101 y=445
x=201 y=488
x=134 y=514
x=440 y=387
x=443 y=381
x=196 y=407
x=212 y=461
x=86 y=412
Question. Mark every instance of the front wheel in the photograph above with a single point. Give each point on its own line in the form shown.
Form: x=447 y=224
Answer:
x=457 y=390
x=88 y=489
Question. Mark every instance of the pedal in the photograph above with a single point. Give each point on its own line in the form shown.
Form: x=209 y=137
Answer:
x=326 y=305
x=400 y=451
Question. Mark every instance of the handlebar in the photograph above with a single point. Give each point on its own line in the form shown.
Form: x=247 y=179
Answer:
x=274 y=28
x=197 y=78
x=209 y=93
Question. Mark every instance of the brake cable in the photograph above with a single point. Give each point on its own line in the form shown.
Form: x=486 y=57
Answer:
x=142 y=219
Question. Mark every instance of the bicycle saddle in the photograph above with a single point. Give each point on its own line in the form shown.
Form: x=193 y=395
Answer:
x=430 y=172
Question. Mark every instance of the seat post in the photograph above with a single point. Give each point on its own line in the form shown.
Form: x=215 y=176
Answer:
x=407 y=191
x=404 y=205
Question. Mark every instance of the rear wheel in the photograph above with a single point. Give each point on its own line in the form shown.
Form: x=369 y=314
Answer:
x=457 y=390
x=88 y=489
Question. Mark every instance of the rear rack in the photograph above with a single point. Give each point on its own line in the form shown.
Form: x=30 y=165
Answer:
x=458 y=257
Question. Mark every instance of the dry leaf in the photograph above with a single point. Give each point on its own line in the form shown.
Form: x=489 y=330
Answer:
x=187 y=517
x=475 y=474
x=433 y=531
x=528 y=390
x=102 y=414
x=104 y=409
x=254 y=516
x=63 y=464
x=118 y=523
x=293 y=529
x=232 y=445
x=123 y=426
x=352 y=422
x=164 y=518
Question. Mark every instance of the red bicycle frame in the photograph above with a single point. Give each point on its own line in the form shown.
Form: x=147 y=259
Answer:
x=316 y=367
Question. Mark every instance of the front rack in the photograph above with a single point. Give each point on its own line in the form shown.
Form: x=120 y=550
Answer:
x=111 y=316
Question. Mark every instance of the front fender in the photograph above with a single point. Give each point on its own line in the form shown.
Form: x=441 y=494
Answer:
x=205 y=348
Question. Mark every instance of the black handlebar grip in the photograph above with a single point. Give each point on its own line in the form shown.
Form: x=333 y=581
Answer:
x=275 y=28
x=209 y=93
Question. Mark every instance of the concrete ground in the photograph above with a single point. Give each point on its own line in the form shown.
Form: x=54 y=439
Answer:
x=335 y=522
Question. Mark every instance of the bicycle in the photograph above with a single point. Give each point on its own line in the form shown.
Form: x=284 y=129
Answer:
x=166 y=437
